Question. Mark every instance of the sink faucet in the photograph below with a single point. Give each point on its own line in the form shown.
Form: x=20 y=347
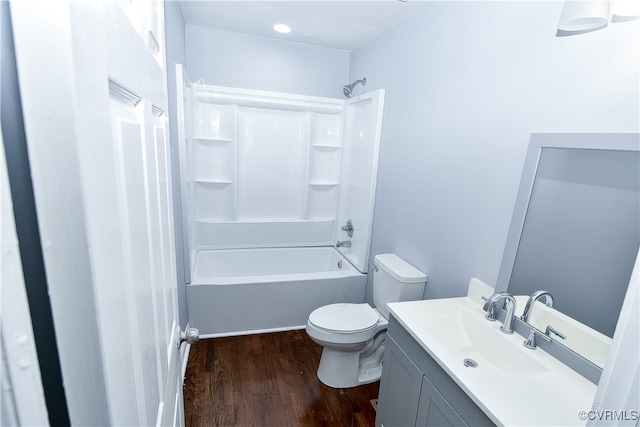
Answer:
x=345 y=243
x=526 y=314
x=507 y=326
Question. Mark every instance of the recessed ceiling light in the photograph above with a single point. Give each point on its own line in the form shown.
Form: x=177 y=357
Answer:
x=282 y=28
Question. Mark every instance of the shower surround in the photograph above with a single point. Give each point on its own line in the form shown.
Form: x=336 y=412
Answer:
x=273 y=170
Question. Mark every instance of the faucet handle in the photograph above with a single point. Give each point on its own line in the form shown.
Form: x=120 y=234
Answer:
x=531 y=341
x=348 y=228
x=551 y=330
x=491 y=312
x=489 y=308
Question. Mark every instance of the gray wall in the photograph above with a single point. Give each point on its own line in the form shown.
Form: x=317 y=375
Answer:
x=223 y=58
x=174 y=27
x=467 y=83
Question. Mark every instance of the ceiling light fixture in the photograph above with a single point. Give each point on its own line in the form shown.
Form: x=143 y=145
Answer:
x=625 y=10
x=580 y=16
x=282 y=28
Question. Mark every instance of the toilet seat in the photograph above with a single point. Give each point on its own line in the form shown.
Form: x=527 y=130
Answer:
x=345 y=318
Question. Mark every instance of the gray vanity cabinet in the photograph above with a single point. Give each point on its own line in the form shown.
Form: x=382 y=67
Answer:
x=434 y=410
x=416 y=391
x=399 y=388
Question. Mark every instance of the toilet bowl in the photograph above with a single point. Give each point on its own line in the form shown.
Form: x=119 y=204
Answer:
x=347 y=331
x=353 y=334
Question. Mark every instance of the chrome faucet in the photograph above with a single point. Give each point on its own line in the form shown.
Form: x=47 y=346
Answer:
x=526 y=314
x=343 y=243
x=507 y=326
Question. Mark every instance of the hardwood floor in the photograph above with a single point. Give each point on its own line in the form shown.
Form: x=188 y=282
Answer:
x=268 y=380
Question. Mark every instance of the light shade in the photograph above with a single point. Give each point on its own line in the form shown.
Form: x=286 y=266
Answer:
x=581 y=16
x=625 y=10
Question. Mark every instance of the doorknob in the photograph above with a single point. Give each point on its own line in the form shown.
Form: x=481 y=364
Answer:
x=191 y=336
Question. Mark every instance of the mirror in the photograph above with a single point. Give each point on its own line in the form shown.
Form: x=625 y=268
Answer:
x=575 y=230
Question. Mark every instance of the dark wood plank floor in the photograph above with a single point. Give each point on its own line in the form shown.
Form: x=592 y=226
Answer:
x=268 y=380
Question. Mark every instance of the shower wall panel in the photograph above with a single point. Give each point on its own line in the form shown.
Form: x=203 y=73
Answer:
x=264 y=168
x=267 y=169
x=362 y=130
x=272 y=152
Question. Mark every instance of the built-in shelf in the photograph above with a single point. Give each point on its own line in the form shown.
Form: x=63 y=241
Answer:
x=214 y=181
x=213 y=122
x=325 y=129
x=323 y=183
x=213 y=140
x=326 y=146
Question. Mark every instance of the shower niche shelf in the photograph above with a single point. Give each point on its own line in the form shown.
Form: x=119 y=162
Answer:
x=213 y=181
x=323 y=181
x=214 y=161
x=325 y=130
x=213 y=122
x=323 y=184
x=322 y=200
x=321 y=146
x=214 y=141
x=214 y=200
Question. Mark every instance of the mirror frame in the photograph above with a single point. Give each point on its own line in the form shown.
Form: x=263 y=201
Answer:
x=538 y=141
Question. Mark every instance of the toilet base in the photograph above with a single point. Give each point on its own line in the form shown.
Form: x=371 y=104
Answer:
x=366 y=376
x=346 y=369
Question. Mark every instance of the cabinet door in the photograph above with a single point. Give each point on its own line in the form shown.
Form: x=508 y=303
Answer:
x=399 y=388
x=434 y=410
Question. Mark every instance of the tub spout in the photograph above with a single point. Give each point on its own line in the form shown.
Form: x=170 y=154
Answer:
x=343 y=243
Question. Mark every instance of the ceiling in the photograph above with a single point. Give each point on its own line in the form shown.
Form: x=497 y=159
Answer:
x=336 y=24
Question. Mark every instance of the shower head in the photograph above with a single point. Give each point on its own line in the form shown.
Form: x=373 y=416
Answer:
x=347 y=89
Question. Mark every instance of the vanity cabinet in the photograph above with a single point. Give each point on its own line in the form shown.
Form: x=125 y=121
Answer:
x=416 y=391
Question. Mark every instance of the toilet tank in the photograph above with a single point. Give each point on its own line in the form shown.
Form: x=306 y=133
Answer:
x=394 y=279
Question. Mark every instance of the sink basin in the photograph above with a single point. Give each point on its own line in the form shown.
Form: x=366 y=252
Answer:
x=466 y=334
x=459 y=332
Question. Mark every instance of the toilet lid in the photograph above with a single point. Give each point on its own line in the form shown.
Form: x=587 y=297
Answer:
x=345 y=317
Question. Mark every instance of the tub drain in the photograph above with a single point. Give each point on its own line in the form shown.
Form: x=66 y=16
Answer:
x=470 y=363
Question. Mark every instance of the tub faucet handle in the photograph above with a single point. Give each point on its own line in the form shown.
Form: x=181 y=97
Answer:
x=348 y=228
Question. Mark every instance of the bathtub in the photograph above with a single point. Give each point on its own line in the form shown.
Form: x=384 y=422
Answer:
x=246 y=291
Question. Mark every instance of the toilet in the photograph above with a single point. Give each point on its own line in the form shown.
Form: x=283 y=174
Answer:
x=353 y=334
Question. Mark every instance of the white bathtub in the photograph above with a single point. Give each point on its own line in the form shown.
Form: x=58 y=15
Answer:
x=245 y=291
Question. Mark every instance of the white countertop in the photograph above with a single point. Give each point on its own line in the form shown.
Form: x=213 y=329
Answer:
x=513 y=385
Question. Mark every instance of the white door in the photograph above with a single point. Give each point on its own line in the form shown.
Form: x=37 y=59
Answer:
x=93 y=88
x=21 y=394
